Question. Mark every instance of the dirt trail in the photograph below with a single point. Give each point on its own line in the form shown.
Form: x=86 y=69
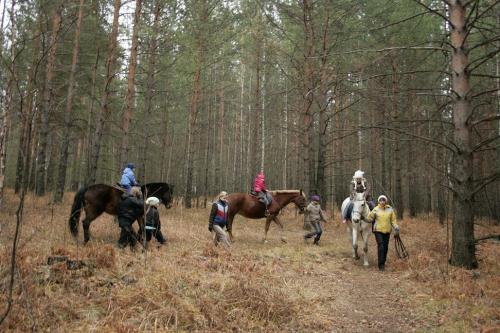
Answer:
x=355 y=298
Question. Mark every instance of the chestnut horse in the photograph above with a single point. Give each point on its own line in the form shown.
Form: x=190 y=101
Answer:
x=250 y=207
x=99 y=198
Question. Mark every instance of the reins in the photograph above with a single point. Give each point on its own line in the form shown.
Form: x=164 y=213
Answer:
x=400 y=248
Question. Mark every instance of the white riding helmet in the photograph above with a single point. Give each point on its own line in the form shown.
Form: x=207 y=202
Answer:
x=222 y=195
x=152 y=201
x=382 y=197
x=359 y=174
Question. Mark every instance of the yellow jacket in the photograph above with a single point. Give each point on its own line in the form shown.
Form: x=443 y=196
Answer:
x=385 y=219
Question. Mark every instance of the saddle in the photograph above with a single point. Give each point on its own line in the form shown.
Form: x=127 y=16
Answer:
x=119 y=186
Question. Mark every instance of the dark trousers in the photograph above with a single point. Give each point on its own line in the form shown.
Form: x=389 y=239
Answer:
x=382 y=246
x=127 y=234
x=317 y=232
x=158 y=235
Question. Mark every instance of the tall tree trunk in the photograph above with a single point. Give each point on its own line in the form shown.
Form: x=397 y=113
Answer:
x=221 y=165
x=8 y=107
x=150 y=86
x=398 y=191
x=47 y=103
x=86 y=163
x=63 y=154
x=207 y=158
x=241 y=132
x=254 y=134
x=27 y=113
x=105 y=111
x=262 y=113
x=130 y=99
x=308 y=95
x=321 y=182
x=285 y=136
x=195 y=101
x=463 y=245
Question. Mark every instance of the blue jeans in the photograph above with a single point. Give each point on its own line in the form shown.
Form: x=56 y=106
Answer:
x=317 y=231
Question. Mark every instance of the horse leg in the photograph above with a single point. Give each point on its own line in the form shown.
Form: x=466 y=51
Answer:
x=365 y=234
x=230 y=227
x=354 y=242
x=86 y=226
x=268 y=223
x=282 y=229
x=90 y=215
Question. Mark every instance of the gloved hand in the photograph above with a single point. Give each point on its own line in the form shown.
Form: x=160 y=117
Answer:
x=210 y=228
x=396 y=231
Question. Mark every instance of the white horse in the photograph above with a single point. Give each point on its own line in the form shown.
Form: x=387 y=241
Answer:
x=358 y=223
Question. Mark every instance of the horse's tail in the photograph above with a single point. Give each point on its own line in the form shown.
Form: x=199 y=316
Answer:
x=76 y=210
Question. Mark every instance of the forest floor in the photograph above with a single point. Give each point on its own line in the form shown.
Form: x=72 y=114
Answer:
x=190 y=285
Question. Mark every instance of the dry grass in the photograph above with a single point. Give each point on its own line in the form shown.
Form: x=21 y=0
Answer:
x=189 y=285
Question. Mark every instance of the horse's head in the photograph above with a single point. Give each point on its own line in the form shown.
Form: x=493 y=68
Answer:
x=359 y=209
x=168 y=196
x=300 y=201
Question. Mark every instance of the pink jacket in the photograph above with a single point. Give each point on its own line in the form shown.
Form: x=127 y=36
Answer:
x=259 y=184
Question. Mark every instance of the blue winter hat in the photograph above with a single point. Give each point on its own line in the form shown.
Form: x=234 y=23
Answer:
x=315 y=198
x=131 y=166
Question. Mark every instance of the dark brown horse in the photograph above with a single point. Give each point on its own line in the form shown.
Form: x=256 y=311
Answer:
x=249 y=206
x=99 y=198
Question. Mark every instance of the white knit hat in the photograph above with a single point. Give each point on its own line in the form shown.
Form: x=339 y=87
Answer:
x=382 y=197
x=359 y=174
x=153 y=201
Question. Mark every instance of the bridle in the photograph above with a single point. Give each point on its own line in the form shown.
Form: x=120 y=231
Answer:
x=360 y=213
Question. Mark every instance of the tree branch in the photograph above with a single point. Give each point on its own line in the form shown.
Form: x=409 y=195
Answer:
x=488 y=180
x=435 y=12
x=497 y=237
x=482 y=120
x=423 y=138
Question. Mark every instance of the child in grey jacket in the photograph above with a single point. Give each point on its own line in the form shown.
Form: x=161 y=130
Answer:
x=315 y=216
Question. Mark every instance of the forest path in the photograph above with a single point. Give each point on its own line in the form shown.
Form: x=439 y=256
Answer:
x=352 y=297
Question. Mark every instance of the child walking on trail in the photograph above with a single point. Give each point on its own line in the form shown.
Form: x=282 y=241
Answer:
x=218 y=220
x=315 y=215
x=153 y=224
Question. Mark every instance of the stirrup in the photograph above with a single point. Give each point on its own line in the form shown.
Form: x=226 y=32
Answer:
x=266 y=213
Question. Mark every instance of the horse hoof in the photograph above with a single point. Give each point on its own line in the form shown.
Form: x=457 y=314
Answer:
x=356 y=257
x=283 y=239
x=264 y=241
x=366 y=264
